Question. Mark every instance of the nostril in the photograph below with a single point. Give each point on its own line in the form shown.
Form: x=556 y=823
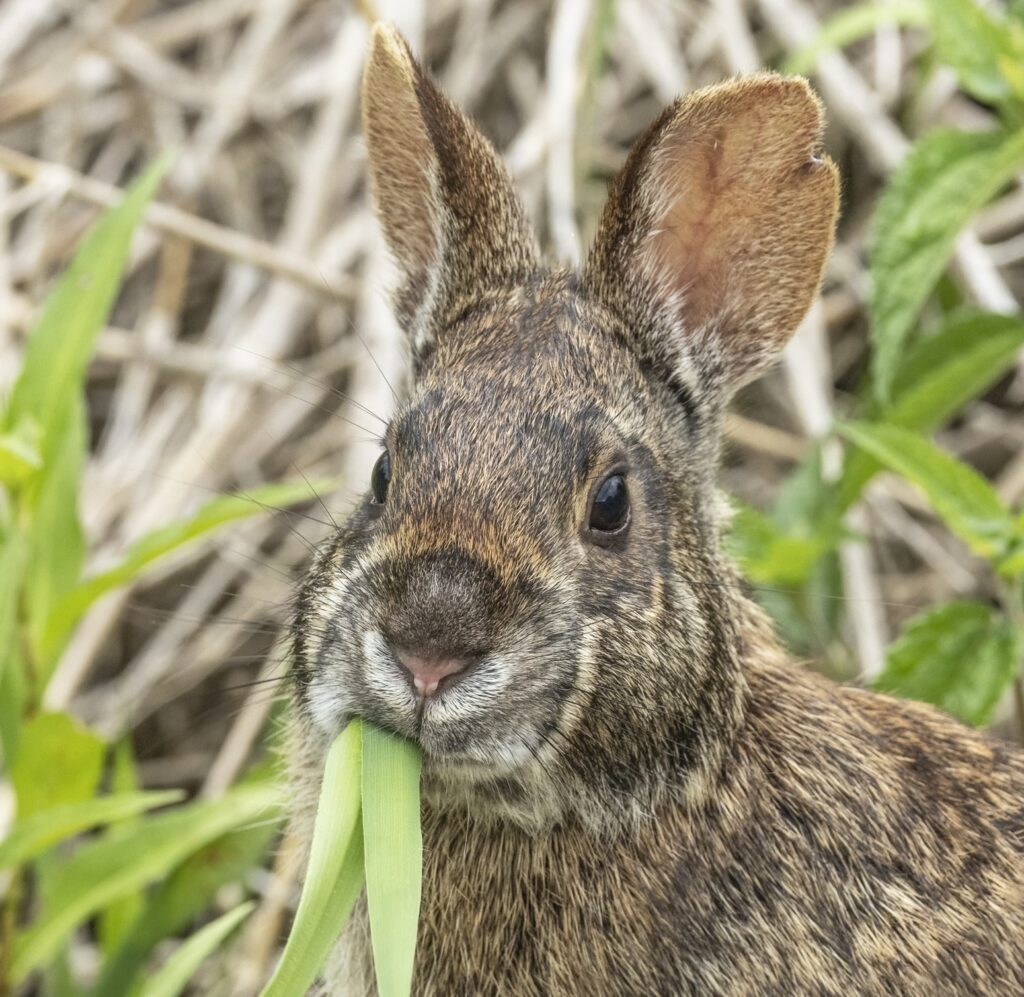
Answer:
x=431 y=674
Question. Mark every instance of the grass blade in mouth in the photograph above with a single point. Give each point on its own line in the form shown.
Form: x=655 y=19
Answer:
x=334 y=875
x=394 y=855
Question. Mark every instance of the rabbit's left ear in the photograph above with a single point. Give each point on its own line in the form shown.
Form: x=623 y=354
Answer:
x=449 y=212
x=717 y=229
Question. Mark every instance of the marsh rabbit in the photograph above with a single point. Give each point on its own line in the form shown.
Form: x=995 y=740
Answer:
x=628 y=786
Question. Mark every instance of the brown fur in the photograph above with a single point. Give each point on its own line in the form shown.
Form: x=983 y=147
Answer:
x=634 y=792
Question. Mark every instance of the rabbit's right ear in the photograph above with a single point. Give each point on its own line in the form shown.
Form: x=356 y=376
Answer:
x=446 y=204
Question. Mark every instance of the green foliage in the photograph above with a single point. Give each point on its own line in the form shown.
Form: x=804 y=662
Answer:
x=987 y=52
x=172 y=978
x=945 y=179
x=369 y=799
x=146 y=877
x=334 y=873
x=850 y=24
x=34 y=834
x=106 y=869
x=394 y=855
x=965 y=500
x=959 y=656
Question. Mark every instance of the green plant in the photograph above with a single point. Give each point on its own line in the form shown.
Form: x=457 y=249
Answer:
x=922 y=373
x=367 y=827
x=148 y=874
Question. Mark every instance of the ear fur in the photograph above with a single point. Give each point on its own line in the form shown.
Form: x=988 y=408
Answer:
x=446 y=204
x=716 y=230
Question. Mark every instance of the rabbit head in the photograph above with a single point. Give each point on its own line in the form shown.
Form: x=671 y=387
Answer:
x=532 y=587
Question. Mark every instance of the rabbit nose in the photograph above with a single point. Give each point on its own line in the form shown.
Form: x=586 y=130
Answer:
x=429 y=674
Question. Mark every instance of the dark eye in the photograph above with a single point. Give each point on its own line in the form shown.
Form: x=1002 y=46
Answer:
x=380 y=478
x=609 y=509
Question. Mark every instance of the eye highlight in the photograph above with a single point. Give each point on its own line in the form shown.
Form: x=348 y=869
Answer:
x=609 y=507
x=380 y=478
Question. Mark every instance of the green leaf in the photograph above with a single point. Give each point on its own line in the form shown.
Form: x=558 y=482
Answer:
x=962 y=497
x=165 y=540
x=120 y=915
x=766 y=553
x=938 y=375
x=104 y=870
x=179 y=900
x=850 y=24
x=61 y=342
x=946 y=177
x=59 y=762
x=960 y=657
x=11 y=562
x=19 y=452
x=334 y=875
x=172 y=978
x=393 y=843
x=976 y=45
x=33 y=835
x=56 y=542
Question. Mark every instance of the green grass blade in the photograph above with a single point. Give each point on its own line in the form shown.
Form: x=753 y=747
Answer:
x=163 y=541
x=172 y=978
x=393 y=844
x=35 y=834
x=61 y=342
x=850 y=24
x=105 y=870
x=334 y=875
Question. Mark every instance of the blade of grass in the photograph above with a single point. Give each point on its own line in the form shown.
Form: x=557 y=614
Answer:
x=173 y=976
x=163 y=541
x=33 y=835
x=392 y=840
x=334 y=875
x=104 y=870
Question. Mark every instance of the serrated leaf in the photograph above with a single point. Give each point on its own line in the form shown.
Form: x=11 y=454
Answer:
x=850 y=24
x=393 y=846
x=946 y=177
x=960 y=657
x=937 y=376
x=60 y=762
x=104 y=870
x=967 y=503
x=166 y=540
x=172 y=978
x=334 y=874
x=33 y=835
x=975 y=44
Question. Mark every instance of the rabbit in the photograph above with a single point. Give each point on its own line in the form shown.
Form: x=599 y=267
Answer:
x=628 y=787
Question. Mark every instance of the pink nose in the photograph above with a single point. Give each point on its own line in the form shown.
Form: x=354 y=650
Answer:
x=428 y=672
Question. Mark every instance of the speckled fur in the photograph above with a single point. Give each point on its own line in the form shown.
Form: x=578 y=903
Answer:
x=634 y=792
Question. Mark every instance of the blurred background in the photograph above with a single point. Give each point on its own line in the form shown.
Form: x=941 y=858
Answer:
x=251 y=342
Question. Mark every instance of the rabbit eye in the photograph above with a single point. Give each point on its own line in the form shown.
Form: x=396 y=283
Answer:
x=380 y=478
x=609 y=508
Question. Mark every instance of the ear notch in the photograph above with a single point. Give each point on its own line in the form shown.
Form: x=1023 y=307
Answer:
x=446 y=204
x=723 y=216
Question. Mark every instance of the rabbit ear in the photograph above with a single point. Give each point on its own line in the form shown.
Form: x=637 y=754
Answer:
x=716 y=230
x=447 y=207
